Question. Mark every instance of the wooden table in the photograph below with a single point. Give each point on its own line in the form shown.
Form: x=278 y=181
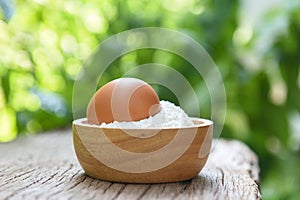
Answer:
x=44 y=166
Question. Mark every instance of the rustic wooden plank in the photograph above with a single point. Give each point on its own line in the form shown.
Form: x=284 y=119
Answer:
x=44 y=166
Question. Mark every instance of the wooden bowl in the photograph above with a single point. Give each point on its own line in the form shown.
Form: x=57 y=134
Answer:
x=142 y=155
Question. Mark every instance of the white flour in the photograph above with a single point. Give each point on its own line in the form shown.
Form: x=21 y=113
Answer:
x=170 y=116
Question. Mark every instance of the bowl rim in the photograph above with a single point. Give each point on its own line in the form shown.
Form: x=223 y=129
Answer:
x=204 y=123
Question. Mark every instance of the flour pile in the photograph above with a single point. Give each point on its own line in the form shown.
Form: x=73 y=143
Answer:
x=170 y=116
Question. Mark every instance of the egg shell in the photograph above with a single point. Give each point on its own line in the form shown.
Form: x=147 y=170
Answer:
x=124 y=99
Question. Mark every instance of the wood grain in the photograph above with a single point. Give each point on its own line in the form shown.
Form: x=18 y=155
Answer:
x=44 y=166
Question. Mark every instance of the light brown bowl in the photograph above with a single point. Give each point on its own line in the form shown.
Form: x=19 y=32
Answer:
x=142 y=155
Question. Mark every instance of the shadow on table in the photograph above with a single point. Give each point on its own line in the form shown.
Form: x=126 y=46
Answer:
x=161 y=190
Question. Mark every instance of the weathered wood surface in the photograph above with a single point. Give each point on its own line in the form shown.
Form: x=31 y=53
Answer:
x=45 y=167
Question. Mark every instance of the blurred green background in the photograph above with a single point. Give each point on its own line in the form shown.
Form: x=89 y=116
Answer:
x=256 y=46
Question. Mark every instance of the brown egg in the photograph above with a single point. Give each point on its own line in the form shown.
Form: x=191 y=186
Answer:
x=124 y=99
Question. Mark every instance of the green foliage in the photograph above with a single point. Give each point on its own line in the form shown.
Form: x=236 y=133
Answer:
x=45 y=43
x=283 y=138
